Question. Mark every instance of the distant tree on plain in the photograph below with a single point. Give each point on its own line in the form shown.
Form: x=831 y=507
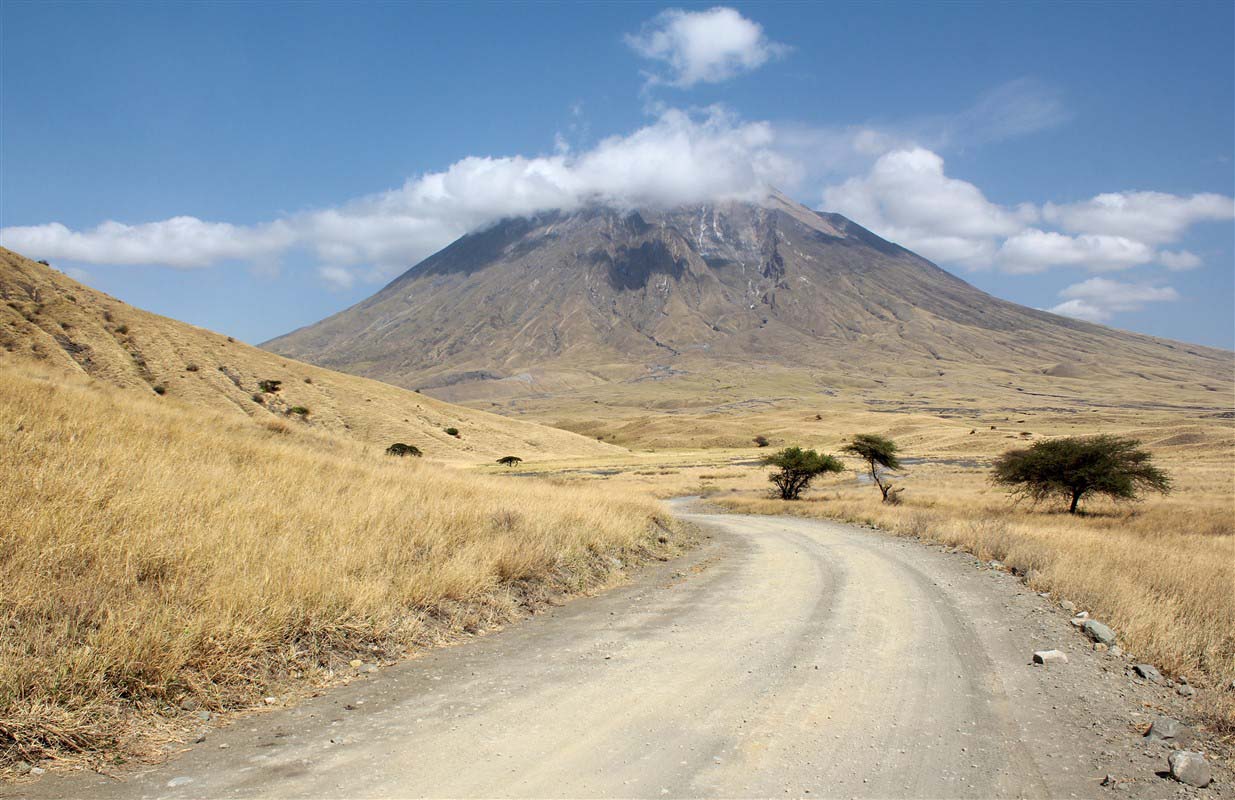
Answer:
x=761 y=441
x=509 y=461
x=1076 y=467
x=401 y=449
x=452 y=432
x=795 y=468
x=879 y=453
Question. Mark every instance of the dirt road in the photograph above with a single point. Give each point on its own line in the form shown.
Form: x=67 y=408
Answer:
x=784 y=657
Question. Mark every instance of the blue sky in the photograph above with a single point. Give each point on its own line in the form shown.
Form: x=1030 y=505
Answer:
x=253 y=168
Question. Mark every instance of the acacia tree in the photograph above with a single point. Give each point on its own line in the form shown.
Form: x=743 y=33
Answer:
x=796 y=467
x=1075 y=467
x=879 y=453
x=509 y=461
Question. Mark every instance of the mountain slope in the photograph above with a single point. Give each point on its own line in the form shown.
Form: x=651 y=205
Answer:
x=568 y=303
x=50 y=317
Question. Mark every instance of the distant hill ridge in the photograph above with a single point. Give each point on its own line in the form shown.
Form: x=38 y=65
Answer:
x=46 y=315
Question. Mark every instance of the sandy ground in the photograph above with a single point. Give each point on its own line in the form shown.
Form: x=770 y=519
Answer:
x=784 y=657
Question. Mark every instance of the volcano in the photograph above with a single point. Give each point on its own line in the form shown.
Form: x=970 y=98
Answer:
x=567 y=302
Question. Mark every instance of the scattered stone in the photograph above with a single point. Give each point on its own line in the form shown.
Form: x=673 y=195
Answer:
x=1184 y=690
x=1068 y=605
x=1116 y=650
x=21 y=767
x=1099 y=647
x=270 y=701
x=224 y=746
x=1082 y=615
x=1149 y=672
x=37 y=771
x=183 y=780
x=204 y=716
x=1109 y=780
x=188 y=704
x=355 y=663
x=369 y=668
x=1077 y=621
x=201 y=737
x=1098 y=632
x=1164 y=728
x=1183 y=680
x=1046 y=657
x=1189 y=768
x=994 y=564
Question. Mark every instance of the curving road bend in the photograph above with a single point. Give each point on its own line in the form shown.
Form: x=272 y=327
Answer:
x=784 y=657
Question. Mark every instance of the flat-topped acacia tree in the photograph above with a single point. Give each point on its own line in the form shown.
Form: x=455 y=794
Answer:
x=795 y=468
x=879 y=453
x=1075 y=467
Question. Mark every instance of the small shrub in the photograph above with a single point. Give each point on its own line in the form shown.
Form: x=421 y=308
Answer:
x=190 y=368
x=452 y=432
x=230 y=339
x=308 y=380
x=44 y=263
x=269 y=386
x=299 y=411
x=122 y=329
x=257 y=398
x=160 y=389
x=761 y=441
x=401 y=449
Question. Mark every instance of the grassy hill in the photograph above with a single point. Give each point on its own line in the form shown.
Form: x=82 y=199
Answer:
x=50 y=317
x=160 y=559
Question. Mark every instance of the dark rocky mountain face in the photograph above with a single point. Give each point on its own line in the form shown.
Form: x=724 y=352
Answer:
x=568 y=300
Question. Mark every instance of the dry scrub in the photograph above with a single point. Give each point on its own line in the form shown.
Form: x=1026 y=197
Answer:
x=1161 y=572
x=152 y=553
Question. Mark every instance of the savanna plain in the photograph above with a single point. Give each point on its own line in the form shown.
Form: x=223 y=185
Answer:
x=212 y=548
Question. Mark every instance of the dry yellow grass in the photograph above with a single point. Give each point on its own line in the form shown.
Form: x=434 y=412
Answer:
x=150 y=551
x=1161 y=572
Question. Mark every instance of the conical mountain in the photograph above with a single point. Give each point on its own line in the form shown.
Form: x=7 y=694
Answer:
x=566 y=301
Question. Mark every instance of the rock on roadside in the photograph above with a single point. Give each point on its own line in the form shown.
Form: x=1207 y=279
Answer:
x=1098 y=632
x=1149 y=672
x=1047 y=657
x=1166 y=728
x=1189 y=768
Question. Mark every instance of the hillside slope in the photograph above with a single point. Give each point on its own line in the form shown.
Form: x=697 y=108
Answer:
x=50 y=317
x=579 y=304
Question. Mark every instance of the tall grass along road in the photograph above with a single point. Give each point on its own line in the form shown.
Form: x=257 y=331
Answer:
x=784 y=656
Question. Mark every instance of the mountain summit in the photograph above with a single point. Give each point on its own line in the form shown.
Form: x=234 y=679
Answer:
x=563 y=301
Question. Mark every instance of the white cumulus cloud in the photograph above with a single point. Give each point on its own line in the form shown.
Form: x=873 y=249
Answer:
x=1152 y=217
x=1034 y=250
x=703 y=46
x=908 y=198
x=1179 y=260
x=182 y=242
x=1099 y=299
